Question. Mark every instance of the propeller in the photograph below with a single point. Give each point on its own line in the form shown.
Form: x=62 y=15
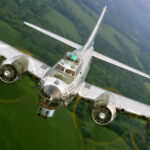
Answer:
x=102 y=115
x=8 y=73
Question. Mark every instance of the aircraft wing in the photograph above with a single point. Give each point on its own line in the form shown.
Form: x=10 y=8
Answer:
x=54 y=36
x=118 y=64
x=92 y=94
x=35 y=67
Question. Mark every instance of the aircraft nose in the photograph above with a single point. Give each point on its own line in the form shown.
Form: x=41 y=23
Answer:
x=50 y=92
x=50 y=96
x=53 y=91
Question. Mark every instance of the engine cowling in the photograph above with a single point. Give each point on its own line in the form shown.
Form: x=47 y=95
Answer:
x=104 y=110
x=12 y=70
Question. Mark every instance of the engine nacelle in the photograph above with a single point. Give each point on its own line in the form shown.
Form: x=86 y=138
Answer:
x=12 y=70
x=104 y=110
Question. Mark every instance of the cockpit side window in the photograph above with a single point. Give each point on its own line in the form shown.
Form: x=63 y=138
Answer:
x=70 y=72
x=60 y=67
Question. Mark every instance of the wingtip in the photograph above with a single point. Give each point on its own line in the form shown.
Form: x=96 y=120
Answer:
x=26 y=23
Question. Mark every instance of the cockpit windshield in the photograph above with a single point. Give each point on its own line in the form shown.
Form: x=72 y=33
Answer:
x=60 y=67
x=70 y=72
x=66 y=69
x=61 y=75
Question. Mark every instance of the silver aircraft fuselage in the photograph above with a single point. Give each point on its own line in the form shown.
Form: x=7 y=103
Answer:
x=54 y=91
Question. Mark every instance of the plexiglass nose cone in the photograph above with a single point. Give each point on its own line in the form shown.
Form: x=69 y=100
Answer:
x=52 y=91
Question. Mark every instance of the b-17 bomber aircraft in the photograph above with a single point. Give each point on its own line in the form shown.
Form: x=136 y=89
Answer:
x=60 y=84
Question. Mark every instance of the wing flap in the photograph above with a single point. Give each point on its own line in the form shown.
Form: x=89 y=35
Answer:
x=91 y=93
x=118 y=64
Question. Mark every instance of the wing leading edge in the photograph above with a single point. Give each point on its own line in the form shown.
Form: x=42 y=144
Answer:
x=35 y=67
x=91 y=93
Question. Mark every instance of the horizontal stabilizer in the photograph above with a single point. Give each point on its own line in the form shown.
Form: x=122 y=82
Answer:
x=54 y=36
x=118 y=64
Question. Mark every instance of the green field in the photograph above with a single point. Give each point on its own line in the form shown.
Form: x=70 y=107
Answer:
x=22 y=129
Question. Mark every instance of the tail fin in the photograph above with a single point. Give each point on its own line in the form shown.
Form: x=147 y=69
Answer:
x=90 y=41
